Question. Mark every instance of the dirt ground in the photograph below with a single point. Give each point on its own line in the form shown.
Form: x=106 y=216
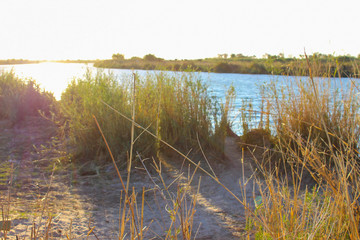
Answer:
x=36 y=186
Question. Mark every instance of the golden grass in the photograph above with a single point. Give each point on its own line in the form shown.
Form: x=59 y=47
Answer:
x=316 y=133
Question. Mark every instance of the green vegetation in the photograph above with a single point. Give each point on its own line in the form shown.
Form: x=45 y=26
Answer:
x=74 y=61
x=344 y=66
x=17 y=61
x=19 y=98
x=25 y=61
x=177 y=108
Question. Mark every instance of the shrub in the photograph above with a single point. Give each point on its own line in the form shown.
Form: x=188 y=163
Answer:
x=256 y=137
x=20 y=99
x=224 y=67
x=257 y=68
x=151 y=58
x=118 y=57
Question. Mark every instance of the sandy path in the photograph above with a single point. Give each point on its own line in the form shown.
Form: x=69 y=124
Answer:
x=228 y=211
x=221 y=215
x=76 y=202
x=225 y=208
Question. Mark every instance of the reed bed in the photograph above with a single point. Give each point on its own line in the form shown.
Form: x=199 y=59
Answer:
x=309 y=180
x=175 y=107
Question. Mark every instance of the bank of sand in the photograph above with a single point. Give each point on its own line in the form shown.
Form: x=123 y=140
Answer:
x=77 y=200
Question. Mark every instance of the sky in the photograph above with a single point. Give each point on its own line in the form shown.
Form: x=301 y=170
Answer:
x=174 y=29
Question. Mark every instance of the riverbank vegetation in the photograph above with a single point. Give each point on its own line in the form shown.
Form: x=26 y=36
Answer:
x=20 y=99
x=25 y=61
x=311 y=168
x=74 y=61
x=176 y=108
x=344 y=66
x=17 y=61
x=306 y=175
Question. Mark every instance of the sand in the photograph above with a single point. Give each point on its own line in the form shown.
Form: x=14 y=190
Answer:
x=75 y=200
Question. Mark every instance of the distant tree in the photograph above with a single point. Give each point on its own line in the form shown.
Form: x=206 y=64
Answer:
x=345 y=58
x=266 y=55
x=233 y=55
x=319 y=55
x=118 y=56
x=225 y=55
x=151 y=57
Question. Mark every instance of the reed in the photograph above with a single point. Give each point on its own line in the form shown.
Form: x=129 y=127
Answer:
x=175 y=107
x=316 y=132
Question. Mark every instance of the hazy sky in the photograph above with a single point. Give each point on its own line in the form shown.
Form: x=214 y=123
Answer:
x=186 y=29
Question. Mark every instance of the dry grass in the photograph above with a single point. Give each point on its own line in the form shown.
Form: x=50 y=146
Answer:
x=316 y=134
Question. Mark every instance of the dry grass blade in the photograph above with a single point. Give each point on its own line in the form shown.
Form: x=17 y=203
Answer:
x=132 y=134
x=111 y=155
x=207 y=161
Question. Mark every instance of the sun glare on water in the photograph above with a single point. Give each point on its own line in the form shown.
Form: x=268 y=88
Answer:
x=54 y=77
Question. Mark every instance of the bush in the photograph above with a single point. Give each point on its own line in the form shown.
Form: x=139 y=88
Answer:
x=20 y=99
x=224 y=68
x=118 y=57
x=257 y=68
x=256 y=138
x=151 y=58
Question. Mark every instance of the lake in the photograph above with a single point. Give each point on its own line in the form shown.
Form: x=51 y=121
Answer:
x=54 y=77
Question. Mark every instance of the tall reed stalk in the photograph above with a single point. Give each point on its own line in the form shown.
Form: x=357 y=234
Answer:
x=316 y=132
x=175 y=106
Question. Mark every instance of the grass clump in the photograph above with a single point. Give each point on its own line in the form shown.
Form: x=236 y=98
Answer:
x=20 y=99
x=318 y=113
x=175 y=107
x=81 y=100
x=256 y=137
x=316 y=132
